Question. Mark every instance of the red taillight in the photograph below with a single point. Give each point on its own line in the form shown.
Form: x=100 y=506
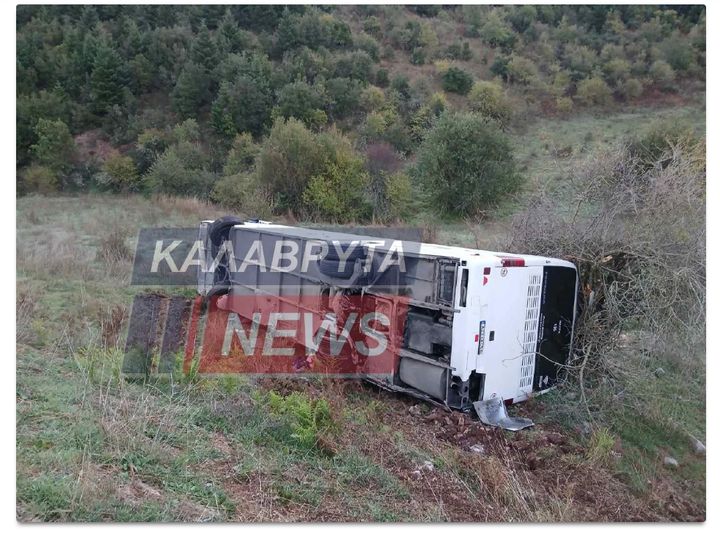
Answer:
x=512 y=261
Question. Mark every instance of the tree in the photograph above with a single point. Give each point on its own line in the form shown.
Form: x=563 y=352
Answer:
x=203 y=51
x=191 y=90
x=336 y=192
x=289 y=157
x=55 y=147
x=243 y=105
x=594 y=91
x=301 y=101
x=487 y=99
x=242 y=154
x=292 y=155
x=465 y=164
x=121 y=171
x=106 y=80
x=456 y=80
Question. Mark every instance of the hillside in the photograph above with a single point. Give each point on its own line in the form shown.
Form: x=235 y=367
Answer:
x=566 y=131
x=193 y=100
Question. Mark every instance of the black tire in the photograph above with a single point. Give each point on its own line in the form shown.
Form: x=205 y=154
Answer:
x=219 y=230
x=358 y=252
x=331 y=268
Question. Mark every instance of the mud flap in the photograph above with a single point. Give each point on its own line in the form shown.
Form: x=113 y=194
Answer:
x=492 y=412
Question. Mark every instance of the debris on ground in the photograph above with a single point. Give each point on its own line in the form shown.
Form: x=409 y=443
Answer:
x=478 y=448
x=698 y=446
x=671 y=461
x=493 y=413
x=415 y=410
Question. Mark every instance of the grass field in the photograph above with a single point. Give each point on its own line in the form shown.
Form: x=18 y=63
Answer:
x=92 y=446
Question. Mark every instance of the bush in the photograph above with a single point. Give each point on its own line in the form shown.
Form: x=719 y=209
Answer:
x=382 y=78
x=632 y=88
x=122 y=174
x=594 y=91
x=309 y=421
x=488 y=100
x=233 y=191
x=55 y=147
x=40 y=179
x=521 y=70
x=372 y=98
x=662 y=73
x=180 y=171
x=356 y=65
x=241 y=105
x=242 y=154
x=399 y=196
x=657 y=144
x=564 y=104
x=292 y=155
x=679 y=53
x=343 y=97
x=302 y=101
x=456 y=80
x=496 y=32
x=465 y=164
x=336 y=193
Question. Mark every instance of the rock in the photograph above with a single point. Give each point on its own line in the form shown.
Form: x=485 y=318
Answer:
x=415 y=410
x=671 y=461
x=478 y=448
x=427 y=465
x=698 y=447
x=659 y=371
x=416 y=474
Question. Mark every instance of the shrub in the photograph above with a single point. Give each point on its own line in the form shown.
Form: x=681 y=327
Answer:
x=616 y=71
x=594 y=91
x=232 y=191
x=496 y=32
x=382 y=78
x=301 y=101
x=55 y=147
x=662 y=73
x=191 y=90
x=372 y=98
x=656 y=145
x=521 y=70
x=679 y=53
x=399 y=196
x=122 y=173
x=456 y=80
x=564 y=104
x=179 y=171
x=336 y=193
x=343 y=97
x=40 y=179
x=309 y=420
x=631 y=88
x=465 y=164
x=241 y=105
x=242 y=154
x=356 y=65
x=292 y=155
x=488 y=100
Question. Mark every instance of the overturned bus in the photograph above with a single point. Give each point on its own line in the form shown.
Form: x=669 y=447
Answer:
x=460 y=325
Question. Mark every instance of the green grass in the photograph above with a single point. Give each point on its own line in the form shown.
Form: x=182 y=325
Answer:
x=92 y=446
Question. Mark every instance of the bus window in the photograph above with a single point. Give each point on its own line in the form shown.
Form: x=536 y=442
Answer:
x=463 y=287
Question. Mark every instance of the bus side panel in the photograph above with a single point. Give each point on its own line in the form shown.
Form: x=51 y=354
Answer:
x=557 y=317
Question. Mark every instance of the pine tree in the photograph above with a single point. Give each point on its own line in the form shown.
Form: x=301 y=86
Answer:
x=106 y=80
x=191 y=90
x=204 y=51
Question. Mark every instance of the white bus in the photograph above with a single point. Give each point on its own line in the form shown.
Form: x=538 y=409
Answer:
x=476 y=325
